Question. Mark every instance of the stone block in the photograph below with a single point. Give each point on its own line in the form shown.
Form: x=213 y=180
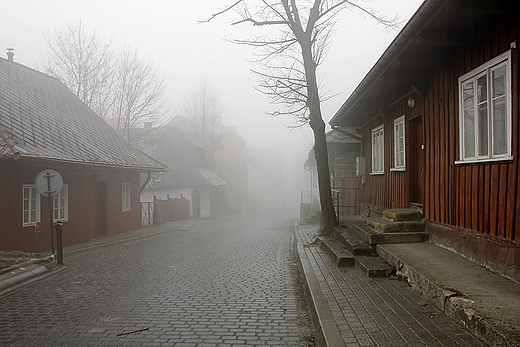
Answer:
x=402 y=214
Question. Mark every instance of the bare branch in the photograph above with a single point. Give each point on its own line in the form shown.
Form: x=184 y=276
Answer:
x=213 y=16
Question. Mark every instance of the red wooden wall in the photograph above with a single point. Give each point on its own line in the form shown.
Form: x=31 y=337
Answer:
x=391 y=189
x=81 y=225
x=477 y=198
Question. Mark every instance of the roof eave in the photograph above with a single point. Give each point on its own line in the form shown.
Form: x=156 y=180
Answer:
x=419 y=20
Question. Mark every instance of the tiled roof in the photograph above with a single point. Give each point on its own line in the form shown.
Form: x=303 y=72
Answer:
x=44 y=119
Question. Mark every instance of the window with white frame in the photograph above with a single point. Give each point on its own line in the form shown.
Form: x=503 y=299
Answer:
x=125 y=195
x=378 y=150
x=61 y=205
x=485 y=109
x=399 y=144
x=30 y=205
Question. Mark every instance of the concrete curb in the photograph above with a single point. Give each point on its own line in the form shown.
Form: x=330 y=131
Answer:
x=327 y=332
x=21 y=274
x=458 y=308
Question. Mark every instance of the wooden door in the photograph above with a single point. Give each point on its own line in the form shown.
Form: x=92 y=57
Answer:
x=415 y=160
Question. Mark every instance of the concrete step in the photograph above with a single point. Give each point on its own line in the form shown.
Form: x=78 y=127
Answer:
x=339 y=255
x=385 y=225
x=373 y=237
x=352 y=243
x=402 y=214
x=373 y=266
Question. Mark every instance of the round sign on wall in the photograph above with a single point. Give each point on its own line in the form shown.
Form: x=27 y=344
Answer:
x=49 y=182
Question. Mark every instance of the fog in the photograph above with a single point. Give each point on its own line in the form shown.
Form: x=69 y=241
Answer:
x=188 y=53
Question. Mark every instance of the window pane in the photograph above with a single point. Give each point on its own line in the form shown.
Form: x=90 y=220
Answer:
x=483 y=129
x=499 y=81
x=26 y=193
x=469 y=133
x=26 y=216
x=468 y=95
x=481 y=89
x=499 y=126
x=33 y=216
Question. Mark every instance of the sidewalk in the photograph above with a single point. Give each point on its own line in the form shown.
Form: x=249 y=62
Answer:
x=351 y=309
x=25 y=271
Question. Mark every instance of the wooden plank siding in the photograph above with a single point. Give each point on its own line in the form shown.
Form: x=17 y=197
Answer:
x=391 y=189
x=478 y=198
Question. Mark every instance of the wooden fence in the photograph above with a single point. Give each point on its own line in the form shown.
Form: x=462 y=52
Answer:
x=162 y=211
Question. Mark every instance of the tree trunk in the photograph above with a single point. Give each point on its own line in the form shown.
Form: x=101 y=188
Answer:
x=317 y=124
x=322 y=164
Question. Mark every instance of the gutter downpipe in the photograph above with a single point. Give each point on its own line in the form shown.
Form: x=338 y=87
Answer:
x=148 y=179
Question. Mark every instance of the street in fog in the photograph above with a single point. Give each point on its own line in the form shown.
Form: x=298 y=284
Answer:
x=222 y=281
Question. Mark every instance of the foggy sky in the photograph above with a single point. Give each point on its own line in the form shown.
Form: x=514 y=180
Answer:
x=187 y=53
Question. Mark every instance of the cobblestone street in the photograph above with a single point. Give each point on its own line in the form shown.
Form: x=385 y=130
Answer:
x=222 y=282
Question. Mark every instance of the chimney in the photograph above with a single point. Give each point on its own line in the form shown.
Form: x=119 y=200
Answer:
x=10 y=54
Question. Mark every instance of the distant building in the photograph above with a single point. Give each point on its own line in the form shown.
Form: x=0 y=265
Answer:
x=267 y=186
x=189 y=174
x=43 y=125
x=231 y=164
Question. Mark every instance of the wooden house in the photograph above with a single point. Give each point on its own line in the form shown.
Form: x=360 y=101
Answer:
x=439 y=119
x=43 y=125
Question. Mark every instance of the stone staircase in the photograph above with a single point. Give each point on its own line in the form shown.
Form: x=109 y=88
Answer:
x=356 y=245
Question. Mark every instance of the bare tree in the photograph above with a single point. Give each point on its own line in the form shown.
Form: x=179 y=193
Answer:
x=204 y=110
x=288 y=65
x=83 y=61
x=122 y=88
x=137 y=94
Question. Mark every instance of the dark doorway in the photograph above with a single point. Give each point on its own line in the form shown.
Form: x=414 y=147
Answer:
x=101 y=207
x=416 y=162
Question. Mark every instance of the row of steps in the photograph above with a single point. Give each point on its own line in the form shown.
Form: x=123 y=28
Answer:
x=348 y=250
x=356 y=245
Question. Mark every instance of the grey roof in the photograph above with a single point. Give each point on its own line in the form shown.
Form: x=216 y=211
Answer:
x=40 y=117
x=206 y=177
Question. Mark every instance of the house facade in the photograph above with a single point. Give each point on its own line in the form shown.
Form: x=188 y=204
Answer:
x=43 y=125
x=231 y=164
x=189 y=175
x=439 y=123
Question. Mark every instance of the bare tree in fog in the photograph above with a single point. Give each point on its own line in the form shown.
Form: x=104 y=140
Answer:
x=289 y=61
x=83 y=61
x=138 y=93
x=122 y=88
x=204 y=110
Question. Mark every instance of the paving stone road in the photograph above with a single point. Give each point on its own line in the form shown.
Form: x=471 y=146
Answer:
x=223 y=282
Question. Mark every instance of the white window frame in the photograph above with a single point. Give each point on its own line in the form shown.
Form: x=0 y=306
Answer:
x=61 y=214
x=125 y=197
x=33 y=205
x=399 y=145
x=485 y=70
x=378 y=150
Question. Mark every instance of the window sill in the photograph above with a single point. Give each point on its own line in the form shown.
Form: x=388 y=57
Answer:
x=377 y=173
x=482 y=161
x=401 y=169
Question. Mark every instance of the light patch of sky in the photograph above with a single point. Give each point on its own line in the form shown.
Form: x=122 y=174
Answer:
x=188 y=53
